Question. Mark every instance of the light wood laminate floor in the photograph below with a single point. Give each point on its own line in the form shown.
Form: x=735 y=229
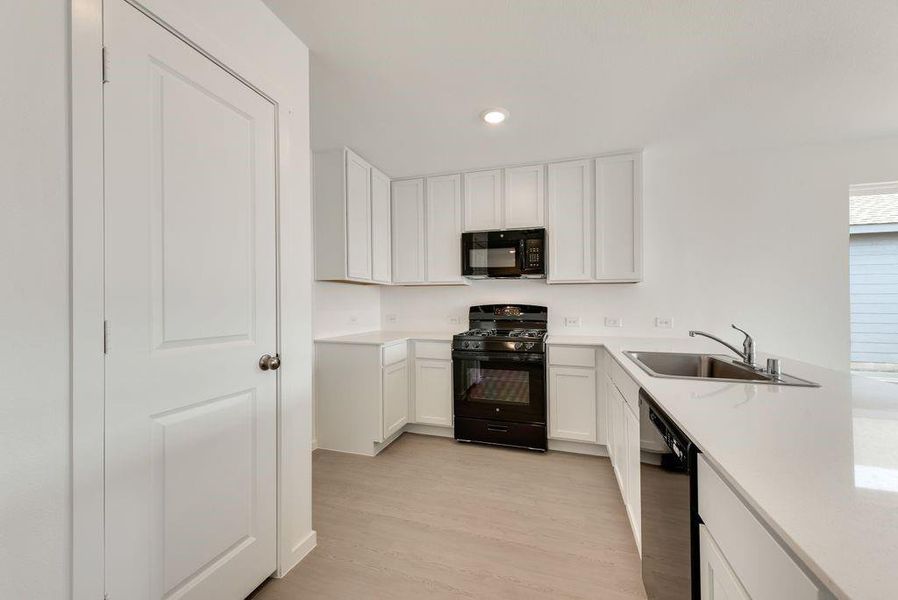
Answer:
x=433 y=518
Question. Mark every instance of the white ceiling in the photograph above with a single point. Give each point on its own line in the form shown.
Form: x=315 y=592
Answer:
x=404 y=81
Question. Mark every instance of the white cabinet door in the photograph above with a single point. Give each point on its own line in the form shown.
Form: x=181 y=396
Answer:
x=381 y=262
x=570 y=221
x=433 y=392
x=358 y=217
x=524 y=197
x=610 y=416
x=483 y=200
x=718 y=581
x=572 y=404
x=408 y=231
x=444 y=223
x=618 y=218
x=395 y=397
x=601 y=406
x=633 y=495
x=620 y=442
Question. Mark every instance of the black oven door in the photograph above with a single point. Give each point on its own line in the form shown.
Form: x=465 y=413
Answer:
x=500 y=386
x=498 y=254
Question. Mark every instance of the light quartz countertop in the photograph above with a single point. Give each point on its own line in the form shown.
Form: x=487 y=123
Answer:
x=385 y=338
x=818 y=465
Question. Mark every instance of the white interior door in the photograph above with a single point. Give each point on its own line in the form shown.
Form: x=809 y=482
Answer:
x=191 y=307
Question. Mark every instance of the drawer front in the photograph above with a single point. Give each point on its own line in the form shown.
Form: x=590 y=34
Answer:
x=759 y=561
x=572 y=356
x=627 y=386
x=435 y=350
x=395 y=353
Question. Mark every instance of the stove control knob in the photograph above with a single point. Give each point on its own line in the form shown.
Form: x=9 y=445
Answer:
x=529 y=346
x=518 y=345
x=476 y=345
x=466 y=345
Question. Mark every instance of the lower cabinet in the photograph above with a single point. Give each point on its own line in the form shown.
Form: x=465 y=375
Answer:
x=572 y=404
x=433 y=391
x=718 y=581
x=395 y=397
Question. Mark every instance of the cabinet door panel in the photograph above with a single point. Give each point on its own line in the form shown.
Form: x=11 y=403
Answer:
x=618 y=231
x=570 y=221
x=433 y=392
x=633 y=496
x=718 y=582
x=358 y=217
x=524 y=197
x=483 y=200
x=408 y=231
x=444 y=223
x=381 y=262
x=572 y=404
x=395 y=396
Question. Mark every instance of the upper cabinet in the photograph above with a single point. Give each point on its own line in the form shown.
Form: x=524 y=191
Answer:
x=483 y=200
x=595 y=220
x=570 y=221
x=511 y=198
x=381 y=228
x=618 y=214
x=524 y=197
x=408 y=231
x=444 y=223
x=348 y=202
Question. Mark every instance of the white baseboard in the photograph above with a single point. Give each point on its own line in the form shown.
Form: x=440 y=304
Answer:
x=578 y=447
x=299 y=551
x=430 y=430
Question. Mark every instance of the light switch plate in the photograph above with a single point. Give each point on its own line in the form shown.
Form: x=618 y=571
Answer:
x=664 y=322
x=614 y=322
x=572 y=321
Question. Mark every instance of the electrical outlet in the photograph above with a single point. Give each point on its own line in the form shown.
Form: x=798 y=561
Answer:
x=572 y=321
x=391 y=318
x=353 y=319
x=454 y=321
x=614 y=322
x=664 y=322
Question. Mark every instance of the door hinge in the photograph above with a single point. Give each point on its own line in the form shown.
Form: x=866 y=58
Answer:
x=105 y=64
x=106 y=331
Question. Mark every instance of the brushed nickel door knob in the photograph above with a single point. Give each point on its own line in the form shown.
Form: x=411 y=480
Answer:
x=268 y=362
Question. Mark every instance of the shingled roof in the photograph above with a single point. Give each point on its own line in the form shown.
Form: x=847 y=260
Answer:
x=871 y=210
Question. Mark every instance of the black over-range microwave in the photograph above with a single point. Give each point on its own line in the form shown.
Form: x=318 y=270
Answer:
x=504 y=254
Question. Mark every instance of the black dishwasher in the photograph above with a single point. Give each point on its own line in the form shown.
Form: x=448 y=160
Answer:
x=669 y=492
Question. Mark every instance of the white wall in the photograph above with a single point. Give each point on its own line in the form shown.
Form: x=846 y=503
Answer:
x=344 y=308
x=755 y=237
x=34 y=302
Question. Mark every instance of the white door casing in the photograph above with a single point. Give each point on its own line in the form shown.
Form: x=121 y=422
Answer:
x=191 y=302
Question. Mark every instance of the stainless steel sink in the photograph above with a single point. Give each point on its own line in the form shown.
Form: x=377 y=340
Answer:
x=712 y=367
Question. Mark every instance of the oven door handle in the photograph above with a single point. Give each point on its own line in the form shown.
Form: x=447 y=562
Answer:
x=516 y=357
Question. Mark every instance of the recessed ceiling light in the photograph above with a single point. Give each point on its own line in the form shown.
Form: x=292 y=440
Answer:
x=494 y=116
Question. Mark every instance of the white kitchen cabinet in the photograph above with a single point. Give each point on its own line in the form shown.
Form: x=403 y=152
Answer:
x=444 y=225
x=633 y=496
x=483 y=200
x=433 y=391
x=755 y=556
x=524 y=204
x=381 y=228
x=570 y=229
x=361 y=393
x=342 y=215
x=572 y=404
x=408 y=231
x=395 y=397
x=358 y=217
x=618 y=218
x=718 y=581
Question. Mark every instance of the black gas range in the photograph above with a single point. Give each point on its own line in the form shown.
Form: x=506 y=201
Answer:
x=499 y=376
